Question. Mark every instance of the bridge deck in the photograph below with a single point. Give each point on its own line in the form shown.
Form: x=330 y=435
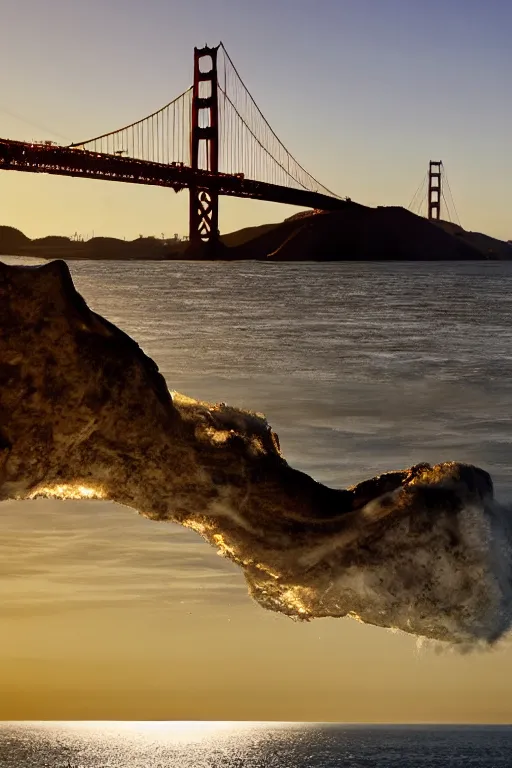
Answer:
x=66 y=161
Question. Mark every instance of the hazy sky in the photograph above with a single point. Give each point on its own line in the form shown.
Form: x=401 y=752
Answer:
x=363 y=92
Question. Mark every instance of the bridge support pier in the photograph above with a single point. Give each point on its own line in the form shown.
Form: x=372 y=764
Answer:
x=204 y=216
x=204 y=149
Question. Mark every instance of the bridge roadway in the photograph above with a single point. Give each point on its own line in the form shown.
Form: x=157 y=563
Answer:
x=66 y=161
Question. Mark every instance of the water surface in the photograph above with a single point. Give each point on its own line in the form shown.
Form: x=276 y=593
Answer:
x=250 y=745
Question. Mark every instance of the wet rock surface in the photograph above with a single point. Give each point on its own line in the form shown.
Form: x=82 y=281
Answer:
x=84 y=413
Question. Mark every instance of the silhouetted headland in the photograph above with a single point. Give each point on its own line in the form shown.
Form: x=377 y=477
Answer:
x=357 y=233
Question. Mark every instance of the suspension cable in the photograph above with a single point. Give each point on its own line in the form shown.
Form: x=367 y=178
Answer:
x=132 y=125
x=319 y=184
x=262 y=145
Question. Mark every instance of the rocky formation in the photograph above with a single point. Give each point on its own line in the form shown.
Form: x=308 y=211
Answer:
x=84 y=413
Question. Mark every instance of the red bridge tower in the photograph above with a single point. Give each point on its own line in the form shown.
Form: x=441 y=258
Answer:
x=434 y=189
x=204 y=150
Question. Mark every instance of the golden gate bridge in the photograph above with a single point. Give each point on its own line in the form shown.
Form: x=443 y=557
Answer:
x=433 y=192
x=212 y=140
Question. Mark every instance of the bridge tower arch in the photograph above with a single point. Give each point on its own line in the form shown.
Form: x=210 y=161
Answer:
x=434 y=189
x=204 y=147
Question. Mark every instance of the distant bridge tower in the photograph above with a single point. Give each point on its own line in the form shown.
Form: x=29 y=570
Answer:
x=434 y=189
x=204 y=150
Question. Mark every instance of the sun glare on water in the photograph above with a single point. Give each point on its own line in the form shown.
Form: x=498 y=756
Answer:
x=164 y=731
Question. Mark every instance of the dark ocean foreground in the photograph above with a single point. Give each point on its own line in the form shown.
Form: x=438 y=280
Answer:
x=250 y=745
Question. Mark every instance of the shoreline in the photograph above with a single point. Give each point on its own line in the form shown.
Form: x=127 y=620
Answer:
x=355 y=234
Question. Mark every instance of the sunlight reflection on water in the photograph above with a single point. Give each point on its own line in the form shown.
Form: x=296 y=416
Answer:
x=248 y=745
